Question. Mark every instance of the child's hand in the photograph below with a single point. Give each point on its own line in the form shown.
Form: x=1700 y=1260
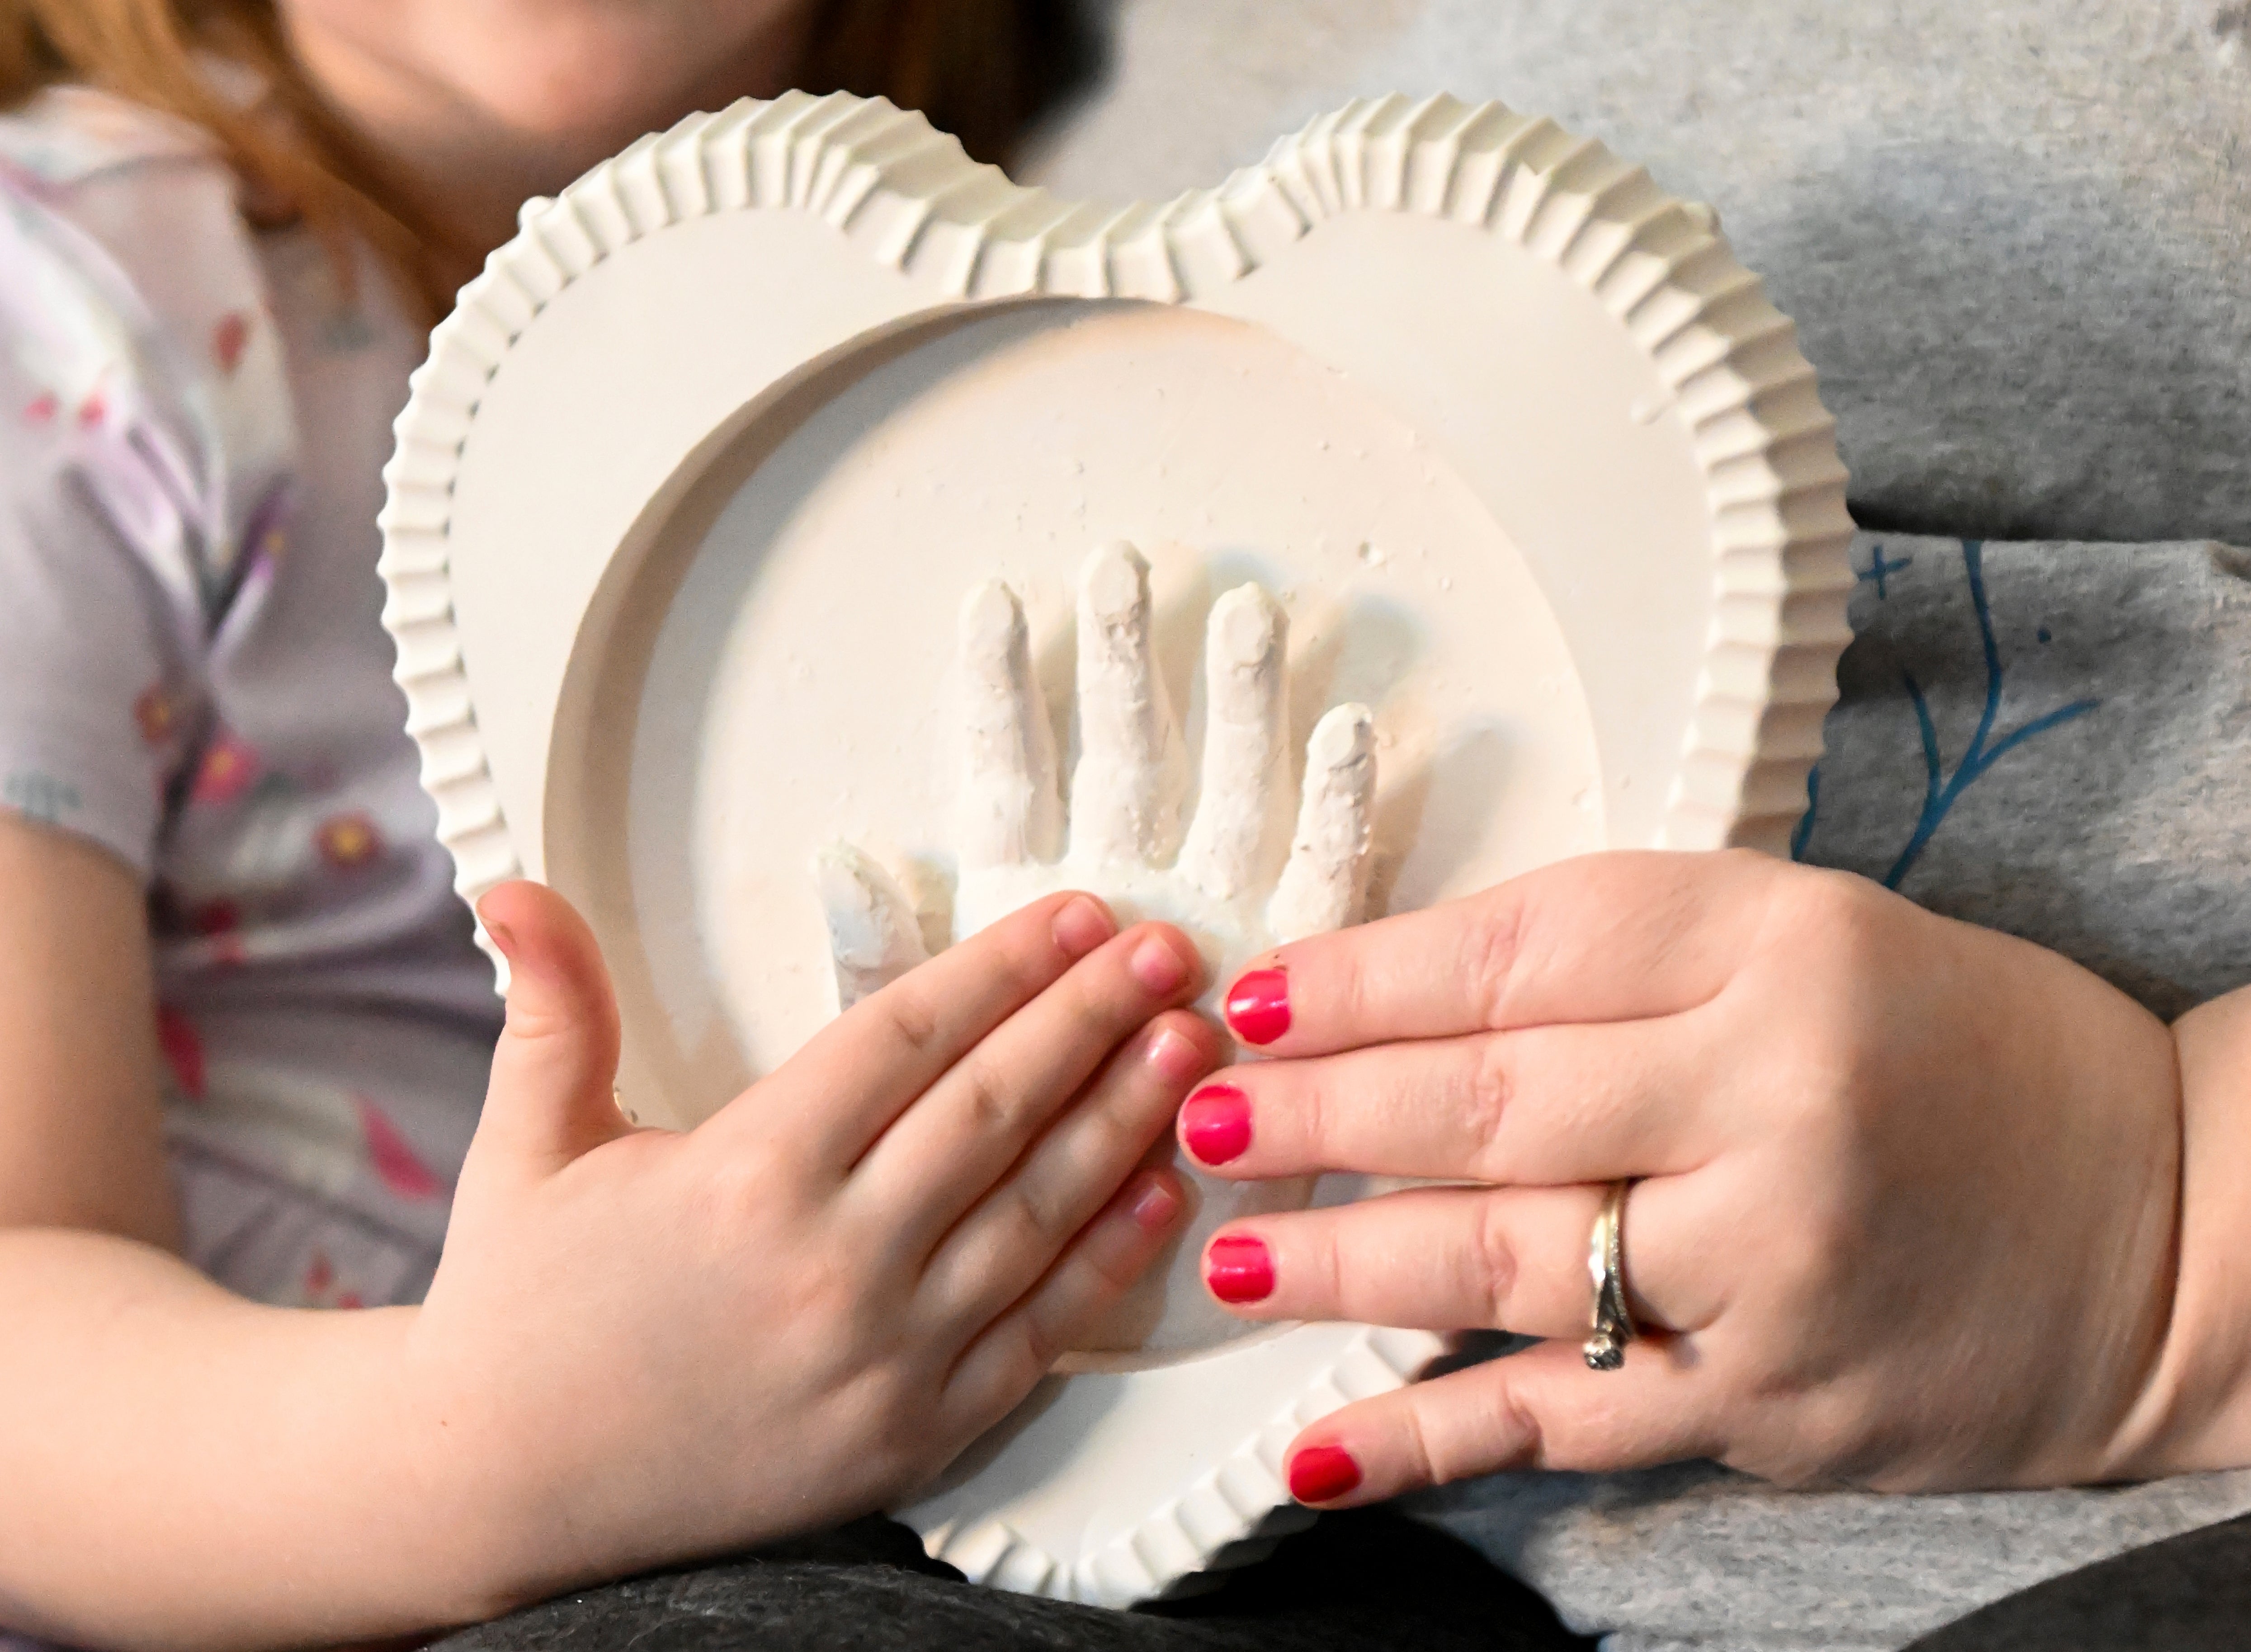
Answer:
x=643 y=1345
x=1911 y=1210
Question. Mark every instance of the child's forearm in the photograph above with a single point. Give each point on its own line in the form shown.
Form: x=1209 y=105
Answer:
x=183 y=1469
x=2197 y=1413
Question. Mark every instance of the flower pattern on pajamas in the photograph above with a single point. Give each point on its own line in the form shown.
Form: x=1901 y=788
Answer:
x=193 y=420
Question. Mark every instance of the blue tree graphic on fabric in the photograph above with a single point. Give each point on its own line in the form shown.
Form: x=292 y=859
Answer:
x=1941 y=789
x=1804 y=833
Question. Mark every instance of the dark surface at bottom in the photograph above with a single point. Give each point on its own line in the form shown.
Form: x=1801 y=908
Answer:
x=1365 y=1580
x=2190 y=1593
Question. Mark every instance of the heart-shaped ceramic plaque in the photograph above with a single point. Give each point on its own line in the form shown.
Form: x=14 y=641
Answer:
x=696 y=478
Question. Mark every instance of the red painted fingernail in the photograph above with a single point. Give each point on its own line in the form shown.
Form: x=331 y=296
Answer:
x=1320 y=1473
x=1237 y=1269
x=1259 y=1005
x=1216 y=1123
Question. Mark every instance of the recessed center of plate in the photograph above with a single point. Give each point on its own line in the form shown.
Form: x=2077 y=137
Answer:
x=775 y=671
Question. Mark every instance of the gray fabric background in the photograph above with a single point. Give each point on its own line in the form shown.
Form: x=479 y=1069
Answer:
x=2013 y=236
x=1691 y=1558
x=2190 y=1593
x=2117 y=836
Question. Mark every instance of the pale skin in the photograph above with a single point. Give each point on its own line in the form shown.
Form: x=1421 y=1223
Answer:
x=1858 y=1279
x=475 y=105
x=1925 y=1207
x=887 y=1242
x=892 y=1234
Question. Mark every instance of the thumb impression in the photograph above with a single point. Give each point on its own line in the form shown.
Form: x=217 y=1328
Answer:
x=550 y=1098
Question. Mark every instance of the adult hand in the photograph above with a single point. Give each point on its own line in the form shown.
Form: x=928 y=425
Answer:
x=1907 y=1200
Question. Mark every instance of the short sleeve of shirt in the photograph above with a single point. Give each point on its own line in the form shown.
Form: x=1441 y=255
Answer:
x=92 y=693
x=194 y=416
x=132 y=430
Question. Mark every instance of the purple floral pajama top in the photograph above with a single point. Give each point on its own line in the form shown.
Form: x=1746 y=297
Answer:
x=193 y=676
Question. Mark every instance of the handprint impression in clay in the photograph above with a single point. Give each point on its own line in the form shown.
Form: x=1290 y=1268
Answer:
x=1237 y=881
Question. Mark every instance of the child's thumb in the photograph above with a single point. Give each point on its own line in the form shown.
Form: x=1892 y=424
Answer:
x=550 y=1099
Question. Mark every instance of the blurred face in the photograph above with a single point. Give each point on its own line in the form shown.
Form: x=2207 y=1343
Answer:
x=476 y=104
x=588 y=74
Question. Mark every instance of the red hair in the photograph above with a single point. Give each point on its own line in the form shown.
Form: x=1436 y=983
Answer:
x=981 y=69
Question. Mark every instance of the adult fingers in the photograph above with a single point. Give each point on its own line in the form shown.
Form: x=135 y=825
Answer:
x=1126 y=793
x=1236 y=841
x=948 y=1149
x=997 y=1251
x=1541 y=1408
x=1543 y=1105
x=1010 y=808
x=1321 y=886
x=1457 y=1258
x=866 y=1066
x=1604 y=937
x=1101 y=1264
x=550 y=1097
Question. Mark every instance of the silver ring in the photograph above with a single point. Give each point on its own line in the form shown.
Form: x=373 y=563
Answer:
x=1613 y=1325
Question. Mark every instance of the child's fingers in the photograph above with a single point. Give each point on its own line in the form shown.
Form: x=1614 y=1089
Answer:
x=947 y=1151
x=999 y=1367
x=1010 y=807
x=1321 y=885
x=873 y=937
x=858 y=1072
x=1239 y=832
x=1125 y=791
x=1542 y=1409
x=550 y=1097
x=995 y=1252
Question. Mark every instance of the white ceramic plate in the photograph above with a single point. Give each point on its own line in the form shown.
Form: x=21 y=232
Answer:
x=695 y=476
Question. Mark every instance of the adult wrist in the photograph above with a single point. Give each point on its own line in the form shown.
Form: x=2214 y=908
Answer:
x=2196 y=1412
